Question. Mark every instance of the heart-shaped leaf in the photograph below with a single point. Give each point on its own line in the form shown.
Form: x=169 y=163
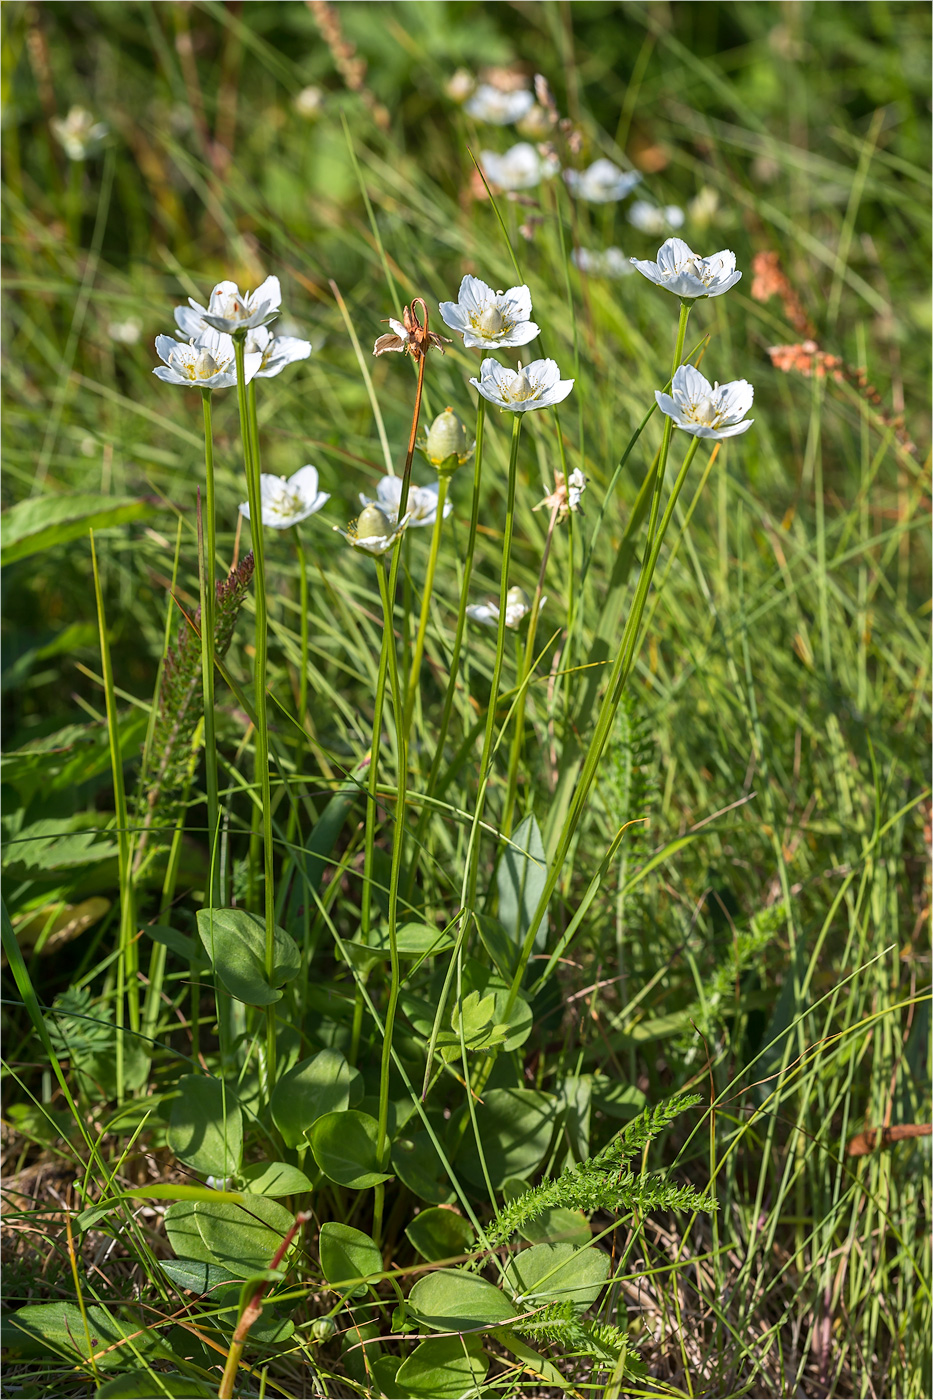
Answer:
x=454 y=1300
x=275 y=1179
x=515 y=1127
x=344 y=1147
x=443 y=1368
x=243 y=1238
x=306 y=1093
x=549 y=1273
x=235 y=942
x=348 y=1257
x=440 y=1234
x=206 y=1126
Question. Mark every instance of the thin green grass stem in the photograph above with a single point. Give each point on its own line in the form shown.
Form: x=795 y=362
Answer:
x=471 y=872
x=418 y=652
x=207 y=554
x=127 y=962
x=249 y=433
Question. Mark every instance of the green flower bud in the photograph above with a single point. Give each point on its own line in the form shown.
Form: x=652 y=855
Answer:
x=372 y=523
x=323 y=1328
x=447 y=438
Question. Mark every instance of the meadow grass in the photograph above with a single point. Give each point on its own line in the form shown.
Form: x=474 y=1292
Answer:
x=752 y=862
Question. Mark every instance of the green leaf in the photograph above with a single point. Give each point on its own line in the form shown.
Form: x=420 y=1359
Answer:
x=243 y=1238
x=443 y=1368
x=206 y=1126
x=454 y=1300
x=196 y=1276
x=58 y=1329
x=152 y=1385
x=412 y=941
x=42 y=522
x=521 y=878
x=317 y=1086
x=557 y=1225
x=235 y=942
x=275 y=1179
x=417 y=1165
x=503 y=950
x=184 y=1235
x=616 y=1099
x=348 y=1257
x=344 y=1147
x=515 y=1127
x=440 y=1234
x=549 y=1273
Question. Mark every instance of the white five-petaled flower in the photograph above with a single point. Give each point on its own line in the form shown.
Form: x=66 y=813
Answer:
x=680 y=270
x=78 y=133
x=655 y=218
x=521 y=168
x=285 y=503
x=517 y=606
x=373 y=531
x=208 y=362
x=231 y=310
x=607 y=262
x=487 y=318
x=422 y=501
x=537 y=385
x=277 y=351
x=707 y=410
x=602 y=183
x=489 y=104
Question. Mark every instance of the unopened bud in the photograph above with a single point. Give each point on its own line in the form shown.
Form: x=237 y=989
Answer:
x=447 y=437
x=517 y=598
x=372 y=524
x=323 y=1328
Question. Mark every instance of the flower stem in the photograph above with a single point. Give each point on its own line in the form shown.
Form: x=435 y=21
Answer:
x=208 y=591
x=525 y=671
x=441 y=738
x=249 y=433
x=414 y=672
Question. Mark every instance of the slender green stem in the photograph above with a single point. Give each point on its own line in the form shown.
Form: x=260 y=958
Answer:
x=303 y=624
x=208 y=595
x=418 y=652
x=471 y=874
x=397 y=848
x=519 y=736
x=249 y=433
x=441 y=738
x=668 y=427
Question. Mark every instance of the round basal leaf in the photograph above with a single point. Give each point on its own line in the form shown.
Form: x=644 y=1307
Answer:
x=196 y=1276
x=453 y=1300
x=206 y=1128
x=148 y=1385
x=515 y=1127
x=243 y=1238
x=557 y=1225
x=275 y=1179
x=417 y=1165
x=184 y=1235
x=344 y=1147
x=439 y=1233
x=556 y=1273
x=348 y=1257
x=443 y=1368
x=235 y=942
x=615 y=1099
x=313 y=1088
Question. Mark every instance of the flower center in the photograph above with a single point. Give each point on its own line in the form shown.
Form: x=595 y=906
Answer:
x=286 y=503
x=373 y=524
x=205 y=366
x=522 y=387
x=705 y=411
x=491 y=322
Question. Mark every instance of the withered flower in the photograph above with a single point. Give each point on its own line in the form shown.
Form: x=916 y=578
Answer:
x=410 y=336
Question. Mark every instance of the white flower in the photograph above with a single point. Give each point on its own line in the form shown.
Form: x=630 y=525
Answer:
x=422 y=501
x=576 y=485
x=284 y=503
x=459 y=85
x=488 y=104
x=309 y=102
x=373 y=531
x=520 y=168
x=125 y=332
x=608 y=262
x=685 y=274
x=78 y=133
x=517 y=606
x=602 y=183
x=654 y=218
x=205 y=363
x=230 y=310
x=537 y=385
x=487 y=318
x=707 y=410
x=276 y=351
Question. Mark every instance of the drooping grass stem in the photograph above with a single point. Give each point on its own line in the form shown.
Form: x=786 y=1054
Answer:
x=249 y=433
